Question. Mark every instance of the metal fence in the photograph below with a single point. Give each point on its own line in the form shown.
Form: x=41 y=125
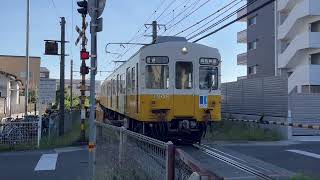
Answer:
x=20 y=134
x=123 y=154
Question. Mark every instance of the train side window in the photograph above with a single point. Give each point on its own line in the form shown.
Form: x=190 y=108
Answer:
x=128 y=80
x=184 y=75
x=121 y=84
x=157 y=76
x=133 y=77
x=118 y=85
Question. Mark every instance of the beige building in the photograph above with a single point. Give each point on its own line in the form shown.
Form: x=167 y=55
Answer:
x=16 y=65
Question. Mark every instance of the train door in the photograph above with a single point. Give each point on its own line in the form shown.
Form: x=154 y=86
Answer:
x=184 y=91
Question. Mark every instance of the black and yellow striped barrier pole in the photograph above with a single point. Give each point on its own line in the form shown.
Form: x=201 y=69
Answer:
x=296 y=125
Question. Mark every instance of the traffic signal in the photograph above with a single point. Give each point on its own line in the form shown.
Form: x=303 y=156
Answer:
x=83 y=7
x=84 y=55
x=84 y=70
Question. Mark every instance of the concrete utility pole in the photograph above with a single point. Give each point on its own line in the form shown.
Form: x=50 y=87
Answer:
x=155 y=27
x=92 y=135
x=26 y=90
x=62 y=64
x=71 y=87
x=95 y=8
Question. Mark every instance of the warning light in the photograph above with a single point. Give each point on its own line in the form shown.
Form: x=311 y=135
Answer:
x=84 y=55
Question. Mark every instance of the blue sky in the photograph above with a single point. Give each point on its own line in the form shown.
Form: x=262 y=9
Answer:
x=122 y=19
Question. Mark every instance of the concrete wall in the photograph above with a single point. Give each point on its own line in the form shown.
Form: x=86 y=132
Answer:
x=264 y=32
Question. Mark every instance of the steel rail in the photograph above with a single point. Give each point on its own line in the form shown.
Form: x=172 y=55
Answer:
x=232 y=162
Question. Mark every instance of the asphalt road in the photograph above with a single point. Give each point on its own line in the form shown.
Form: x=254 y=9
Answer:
x=298 y=157
x=71 y=163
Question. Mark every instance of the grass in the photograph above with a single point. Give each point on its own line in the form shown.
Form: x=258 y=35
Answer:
x=239 y=131
x=302 y=176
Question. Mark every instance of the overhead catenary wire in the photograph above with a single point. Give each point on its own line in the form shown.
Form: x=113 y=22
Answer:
x=204 y=19
x=188 y=15
x=237 y=19
x=218 y=22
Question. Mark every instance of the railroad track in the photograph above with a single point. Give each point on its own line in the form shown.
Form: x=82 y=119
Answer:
x=232 y=160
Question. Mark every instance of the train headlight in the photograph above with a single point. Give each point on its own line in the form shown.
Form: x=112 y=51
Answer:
x=184 y=50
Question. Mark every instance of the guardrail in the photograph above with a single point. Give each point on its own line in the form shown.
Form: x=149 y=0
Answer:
x=123 y=154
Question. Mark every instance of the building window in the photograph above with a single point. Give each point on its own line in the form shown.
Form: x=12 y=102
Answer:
x=310 y=89
x=252 y=45
x=315 y=27
x=252 y=20
x=315 y=58
x=252 y=70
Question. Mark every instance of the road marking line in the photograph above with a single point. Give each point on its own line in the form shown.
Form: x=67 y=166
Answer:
x=47 y=162
x=305 y=153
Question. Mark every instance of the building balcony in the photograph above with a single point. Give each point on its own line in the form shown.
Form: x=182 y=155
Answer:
x=286 y=5
x=242 y=36
x=242 y=59
x=241 y=13
x=297 y=48
x=298 y=17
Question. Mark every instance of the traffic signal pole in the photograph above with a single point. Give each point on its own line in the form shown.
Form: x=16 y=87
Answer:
x=83 y=83
x=84 y=55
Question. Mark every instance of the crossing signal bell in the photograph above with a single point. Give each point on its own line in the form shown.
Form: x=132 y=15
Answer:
x=83 y=7
x=84 y=55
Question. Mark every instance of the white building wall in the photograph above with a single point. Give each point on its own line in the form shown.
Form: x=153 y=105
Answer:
x=296 y=43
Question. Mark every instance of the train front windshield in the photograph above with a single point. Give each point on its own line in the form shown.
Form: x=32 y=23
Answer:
x=208 y=78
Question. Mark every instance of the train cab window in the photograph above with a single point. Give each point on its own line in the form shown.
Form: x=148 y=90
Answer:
x=208 y=78
x=157 y=76
x=184 y=75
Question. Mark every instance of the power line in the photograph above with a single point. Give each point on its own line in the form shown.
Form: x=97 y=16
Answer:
x=177 y=7
x=221 y=20
x=188 y=15
x=234 y=21
x=167 y=7
x=197 y=23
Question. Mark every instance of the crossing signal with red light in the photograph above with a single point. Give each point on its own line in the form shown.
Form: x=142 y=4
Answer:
x=84 y=55
x=84 y=70
x=83 y=7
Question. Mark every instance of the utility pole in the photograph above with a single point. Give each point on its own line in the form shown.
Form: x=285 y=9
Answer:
x=96 y=8
x=155 y=27
x=62 y=64
x=71 y=87
x=26 y=89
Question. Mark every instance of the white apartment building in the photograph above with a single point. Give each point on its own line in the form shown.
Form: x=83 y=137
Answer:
x=298 y=44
